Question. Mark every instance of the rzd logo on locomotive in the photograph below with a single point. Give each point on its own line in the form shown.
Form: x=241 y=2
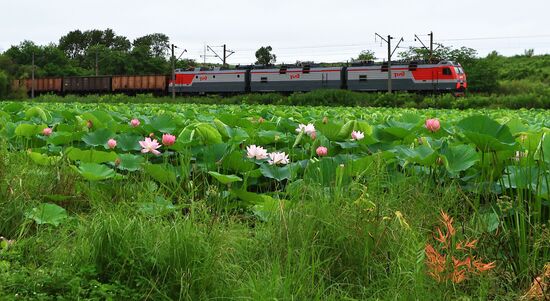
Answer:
x=295 y=76
x=399 y=74
x=203 y=77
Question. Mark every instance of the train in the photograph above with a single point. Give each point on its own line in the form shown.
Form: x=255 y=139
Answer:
x=443 y=76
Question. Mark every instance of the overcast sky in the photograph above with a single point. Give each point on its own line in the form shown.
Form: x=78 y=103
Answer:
x=307 y=30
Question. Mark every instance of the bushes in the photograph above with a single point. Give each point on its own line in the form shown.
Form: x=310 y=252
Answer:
x=4 y=84
x=530 y=96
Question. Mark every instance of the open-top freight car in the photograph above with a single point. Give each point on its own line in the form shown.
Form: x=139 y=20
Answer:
x=87 y=84
x=133 y=84
x=41 y=85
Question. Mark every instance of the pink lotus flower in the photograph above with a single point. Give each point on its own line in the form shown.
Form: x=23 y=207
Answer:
x=356 y=135
x=168 y=139
x=149 y=145
x=257 y=152
x=321 y=151
x=308 y=129
x=135 y=122
x=47 y=131
x=313 y=135
x=432 y=125
x=278 y=158
x=89 y=124
x=111 y=143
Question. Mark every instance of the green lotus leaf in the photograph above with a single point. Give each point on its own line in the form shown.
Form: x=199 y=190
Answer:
x=459 y=157
x=128 y=142
x=208 y=133
x=163 y=123
x=37 y=112
x=63 y=138
x=43 y=159
x=29 y=130
x=90 y=156
x=98 y=137
x=46 y=213
x=487 y=134
x=161 y=172
x=94 y=171
x=130 y=162
x=276 y=172
x=423 y=154
x=225 y=179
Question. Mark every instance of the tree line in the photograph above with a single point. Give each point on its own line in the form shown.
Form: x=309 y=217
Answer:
x=85 y=53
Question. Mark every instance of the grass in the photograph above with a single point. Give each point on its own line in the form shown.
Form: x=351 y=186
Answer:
x=364 y=241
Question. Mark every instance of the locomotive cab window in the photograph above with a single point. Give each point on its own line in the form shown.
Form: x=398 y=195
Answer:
x=363 y=78
x=447 y=71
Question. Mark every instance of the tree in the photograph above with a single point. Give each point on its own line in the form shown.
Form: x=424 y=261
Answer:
x=461 y=55
x=158 y=44
x=482 y=74
x=76 y=44
x=264 y=56
x=73 y=44
x=366 y=55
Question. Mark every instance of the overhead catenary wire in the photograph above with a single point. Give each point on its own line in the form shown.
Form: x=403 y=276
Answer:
x=323 y=50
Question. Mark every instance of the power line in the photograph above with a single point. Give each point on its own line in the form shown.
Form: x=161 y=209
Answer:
x=497 y=38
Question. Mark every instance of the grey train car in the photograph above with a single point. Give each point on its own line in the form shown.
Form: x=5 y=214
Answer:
x=445 y=76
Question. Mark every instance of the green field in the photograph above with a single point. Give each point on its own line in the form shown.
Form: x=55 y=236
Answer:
x=337 y=203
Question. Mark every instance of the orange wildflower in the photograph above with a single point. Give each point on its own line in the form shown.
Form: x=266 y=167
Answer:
x=482 y=267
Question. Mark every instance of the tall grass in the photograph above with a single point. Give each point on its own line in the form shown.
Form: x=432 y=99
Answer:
x=362 y=241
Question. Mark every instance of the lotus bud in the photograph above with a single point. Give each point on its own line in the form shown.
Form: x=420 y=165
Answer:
x=325 y=120
x=321 y=151
x=111 y=143
x=313 y=135
x=432 y=125
x=135 y=122
x=47 y=131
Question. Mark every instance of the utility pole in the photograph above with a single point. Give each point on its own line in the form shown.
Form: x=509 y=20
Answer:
x=390 y=53
x=32 y=76
x=431 y=45
x=174 y=59
x=226 y=53
x=204 y=55
x=431 y=49
x=173 y=72
x=96 y=63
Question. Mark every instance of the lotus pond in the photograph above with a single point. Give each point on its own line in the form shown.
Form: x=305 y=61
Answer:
x=250 y=164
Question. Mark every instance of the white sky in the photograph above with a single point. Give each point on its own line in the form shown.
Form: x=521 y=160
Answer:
x=308 y=30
